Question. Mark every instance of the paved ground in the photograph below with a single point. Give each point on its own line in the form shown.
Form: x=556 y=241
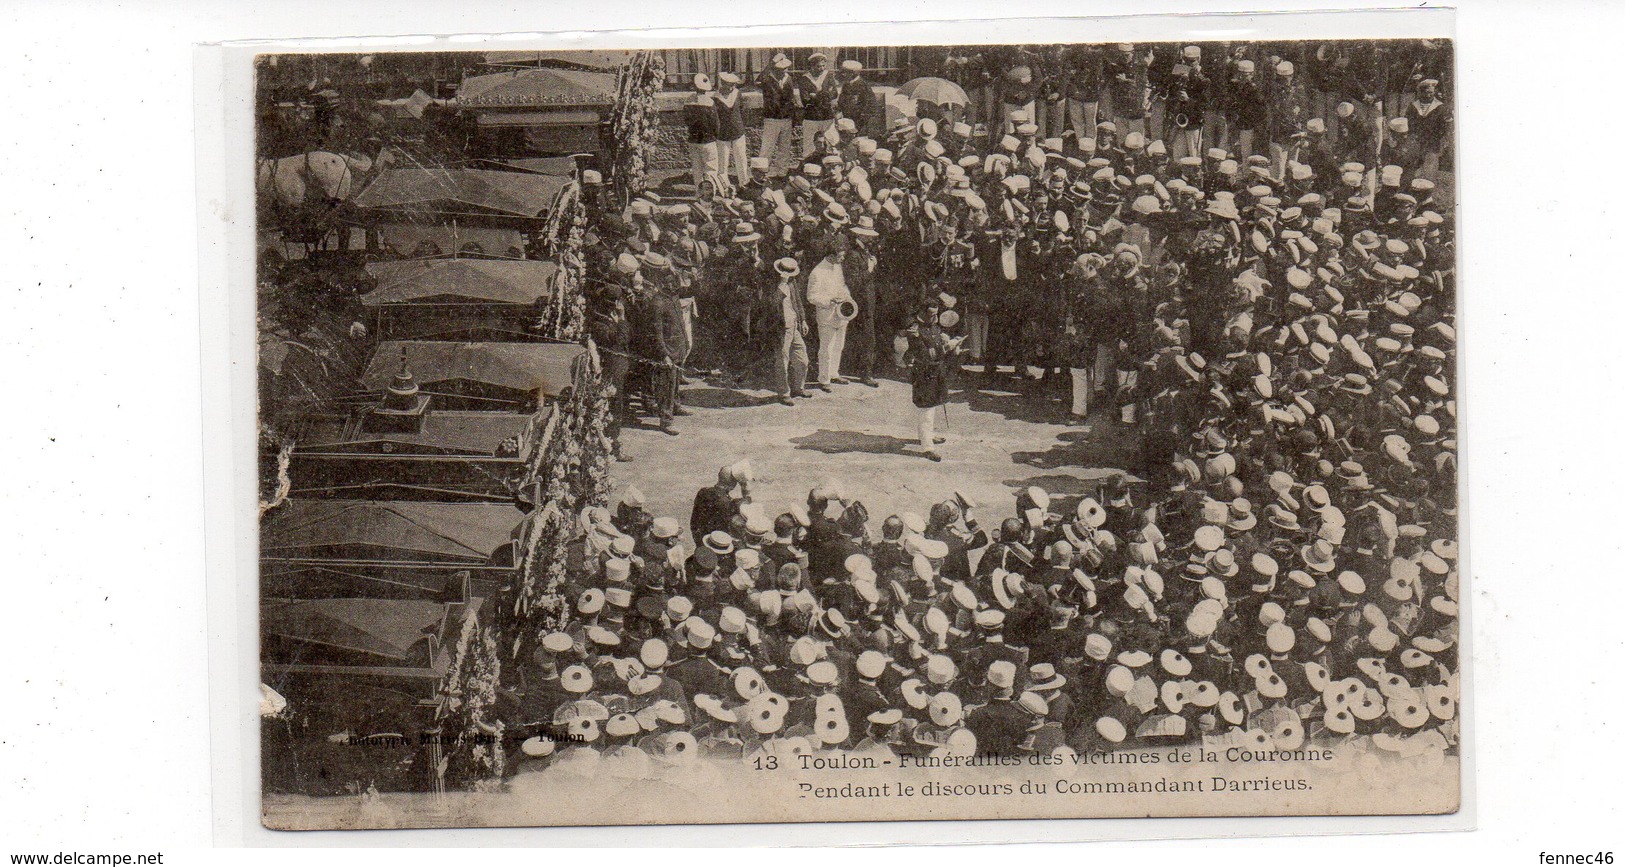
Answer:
x=999 y=441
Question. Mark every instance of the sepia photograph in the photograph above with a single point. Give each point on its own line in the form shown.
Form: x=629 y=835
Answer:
x=857 y=433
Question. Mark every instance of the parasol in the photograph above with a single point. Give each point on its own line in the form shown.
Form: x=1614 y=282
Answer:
x=899 y=106
x=938 y=90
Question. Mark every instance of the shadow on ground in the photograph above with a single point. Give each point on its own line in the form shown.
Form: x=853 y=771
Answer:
x=712 y=397
x=1098 y=443
x=1001 y=398
x=836 y=442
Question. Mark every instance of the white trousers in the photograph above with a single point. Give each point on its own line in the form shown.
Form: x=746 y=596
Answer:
x=831 y=343
x=1186 y=142
x=776 y=145
x=1080 y=391
x=703 y=159
x=1084 y=116
x=810 y=131
x=928 y=428
x=731 y=158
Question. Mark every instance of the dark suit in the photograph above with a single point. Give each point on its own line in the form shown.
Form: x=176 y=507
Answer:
x=956 y=567
x=714 y=509
x=1000 y=727
x=857 y=102
x=928 y=365
x=825 y=553
x=613 y=334
x=778 y=101
x=699 y=674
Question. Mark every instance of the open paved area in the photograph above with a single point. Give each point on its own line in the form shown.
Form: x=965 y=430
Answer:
x=998 y=441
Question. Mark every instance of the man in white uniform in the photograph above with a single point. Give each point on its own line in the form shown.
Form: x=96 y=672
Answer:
x=832 y=304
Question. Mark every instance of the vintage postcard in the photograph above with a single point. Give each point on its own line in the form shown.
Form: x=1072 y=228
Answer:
x=855 y=433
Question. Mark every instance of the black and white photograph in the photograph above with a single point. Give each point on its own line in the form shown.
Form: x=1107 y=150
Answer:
x=1089 y=433
x=777 y=434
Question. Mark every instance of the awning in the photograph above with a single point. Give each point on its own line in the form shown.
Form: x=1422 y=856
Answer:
x=387 y=628
x=529 y=367
x=495 y=280
x=524 y=194
x=410 y=531
x=459 y=432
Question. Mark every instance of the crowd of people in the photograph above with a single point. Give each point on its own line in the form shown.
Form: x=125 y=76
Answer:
x=1051 y=264
x=1260 y=607
x=1238 y=96
x=1277 y=333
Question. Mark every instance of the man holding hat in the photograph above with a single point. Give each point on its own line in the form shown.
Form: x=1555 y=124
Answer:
x=1019 y=95
x=701 y=116
x=730 y=129
x=833 y=305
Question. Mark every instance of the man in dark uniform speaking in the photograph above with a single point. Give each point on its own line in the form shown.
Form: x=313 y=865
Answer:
x=930 y=353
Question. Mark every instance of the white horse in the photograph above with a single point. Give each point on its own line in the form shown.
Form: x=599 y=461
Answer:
x=302 y=190
x=324 y=175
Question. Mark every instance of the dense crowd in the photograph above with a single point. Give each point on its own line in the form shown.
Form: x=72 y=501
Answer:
x=1059 y=261
x=1278 y=331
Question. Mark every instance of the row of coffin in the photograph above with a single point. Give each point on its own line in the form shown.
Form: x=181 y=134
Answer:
x=403 y=510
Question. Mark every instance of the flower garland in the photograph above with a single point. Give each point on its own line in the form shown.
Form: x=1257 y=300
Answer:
x=598 y=447
x=635 y=121
x=569 y=471
x=565 y=317
x=470 y=693
x=563 y=236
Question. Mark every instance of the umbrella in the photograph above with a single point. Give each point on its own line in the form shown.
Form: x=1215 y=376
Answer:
x=900 y=106
x=938 y=90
